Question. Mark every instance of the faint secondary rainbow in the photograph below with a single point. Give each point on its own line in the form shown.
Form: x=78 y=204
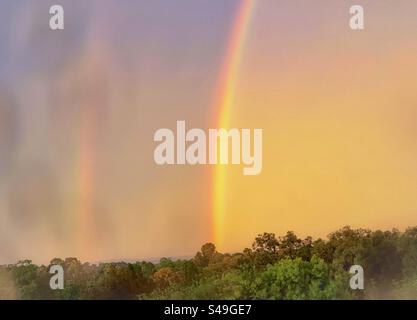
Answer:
x=224 y=104
x=86 y=179
x=91 y=117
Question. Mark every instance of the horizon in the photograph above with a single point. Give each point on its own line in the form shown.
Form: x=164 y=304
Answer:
x=176 y=257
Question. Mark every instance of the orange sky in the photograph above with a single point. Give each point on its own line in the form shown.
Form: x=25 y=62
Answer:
x=337 y=109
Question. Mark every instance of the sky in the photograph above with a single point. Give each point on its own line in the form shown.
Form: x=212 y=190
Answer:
x=79 y=108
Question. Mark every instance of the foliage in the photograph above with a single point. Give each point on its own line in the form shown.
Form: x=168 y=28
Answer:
x=286 y=267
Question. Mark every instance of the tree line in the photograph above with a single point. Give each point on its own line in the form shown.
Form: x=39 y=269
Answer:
x=285 y=267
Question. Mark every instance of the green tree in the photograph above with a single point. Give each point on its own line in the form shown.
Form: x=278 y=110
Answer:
x=295 y=279
x=265 y=249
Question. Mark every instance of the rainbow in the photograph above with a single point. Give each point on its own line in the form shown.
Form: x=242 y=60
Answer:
x=87 y=160
x=86 y=181
x=224 y=104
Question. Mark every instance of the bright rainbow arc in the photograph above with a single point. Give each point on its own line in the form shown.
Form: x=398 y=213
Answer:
x=224 y=105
